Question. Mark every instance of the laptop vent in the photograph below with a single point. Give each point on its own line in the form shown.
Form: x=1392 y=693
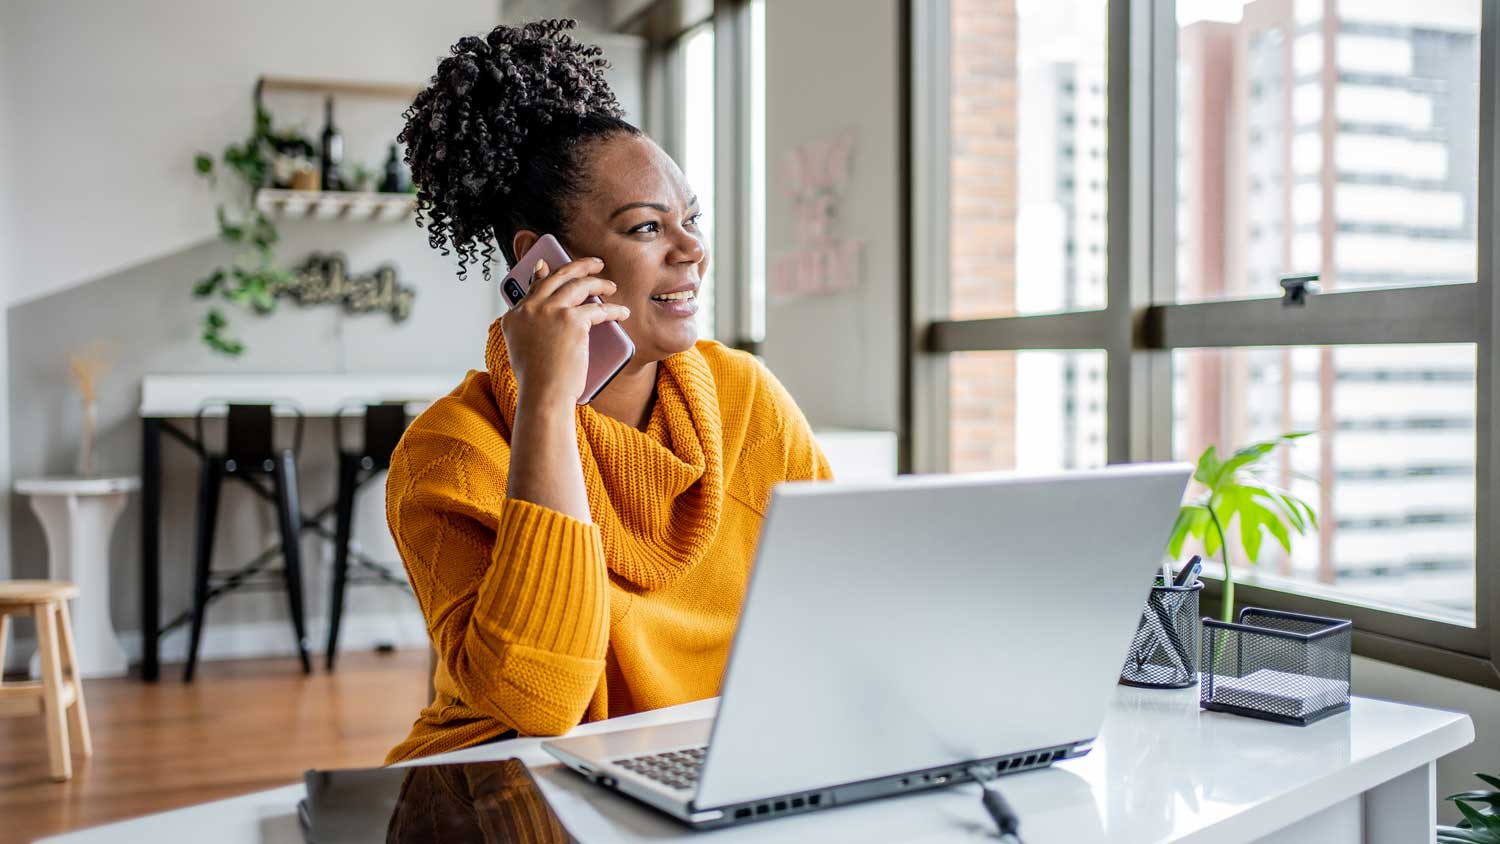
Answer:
x=783 y=806
x=914 y=781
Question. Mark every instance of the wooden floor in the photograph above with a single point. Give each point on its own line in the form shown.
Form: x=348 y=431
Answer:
x=241 y=726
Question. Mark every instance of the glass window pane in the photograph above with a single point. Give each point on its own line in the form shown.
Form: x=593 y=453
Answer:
x=1031 y=411
x=1339 y=137
x=1027 y=172
x=1389 y=467
x=697 y=51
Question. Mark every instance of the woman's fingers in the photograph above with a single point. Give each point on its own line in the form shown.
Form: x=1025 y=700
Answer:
x=546 y=280
x=575 y=292
x=597 y=312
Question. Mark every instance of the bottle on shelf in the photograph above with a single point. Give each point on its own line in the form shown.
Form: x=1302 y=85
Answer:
x=395 y=173
x=333 y=150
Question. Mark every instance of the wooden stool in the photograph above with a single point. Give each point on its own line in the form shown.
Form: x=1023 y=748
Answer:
x=59 y=694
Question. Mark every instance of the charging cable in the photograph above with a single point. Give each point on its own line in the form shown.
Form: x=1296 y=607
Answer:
x=999 y=809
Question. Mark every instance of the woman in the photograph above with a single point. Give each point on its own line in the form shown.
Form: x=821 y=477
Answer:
x=576 y=563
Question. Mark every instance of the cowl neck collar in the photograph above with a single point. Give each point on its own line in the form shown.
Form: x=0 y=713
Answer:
x=657 y=494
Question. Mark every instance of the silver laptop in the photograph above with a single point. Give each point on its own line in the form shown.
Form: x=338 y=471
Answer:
x=896 y=633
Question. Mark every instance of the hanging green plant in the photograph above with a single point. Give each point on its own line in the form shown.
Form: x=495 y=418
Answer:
x=252 y=275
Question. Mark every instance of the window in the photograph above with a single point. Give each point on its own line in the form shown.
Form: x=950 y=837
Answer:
x=698 y=150
x=1031 y=411
x=1389 y=464
x=1020 y=198
x=1338 y=138
x=705 y=73
x=1342 y=143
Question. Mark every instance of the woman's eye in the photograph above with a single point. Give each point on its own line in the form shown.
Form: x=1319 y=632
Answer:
x=645 y=228
x=694 y=220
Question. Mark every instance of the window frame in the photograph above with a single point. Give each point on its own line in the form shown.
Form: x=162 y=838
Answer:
x=737 y=227
x=1142 y=323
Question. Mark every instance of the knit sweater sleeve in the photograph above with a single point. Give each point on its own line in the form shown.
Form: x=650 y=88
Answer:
x=515 y=595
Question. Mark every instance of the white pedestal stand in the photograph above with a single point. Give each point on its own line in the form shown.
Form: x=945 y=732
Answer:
x=78 y=515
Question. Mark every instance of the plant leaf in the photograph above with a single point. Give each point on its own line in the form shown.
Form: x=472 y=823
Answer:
x=1250 y=535
x=1477 y=819
x=1490 y=798
x=1207 y=472
x=1268 y=517
x=1460 y=835
x=229 y=231
x=1489 y=780
x=1246 y=456
x=1211 y=539
x=1187 y=517
x=210 y=283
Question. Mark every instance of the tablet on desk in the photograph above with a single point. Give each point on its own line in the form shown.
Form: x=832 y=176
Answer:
x=475 y=802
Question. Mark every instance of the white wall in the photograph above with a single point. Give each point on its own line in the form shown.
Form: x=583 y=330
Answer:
x=833 y=65
x=7 y=225
x=104 y=105
x=110 y=100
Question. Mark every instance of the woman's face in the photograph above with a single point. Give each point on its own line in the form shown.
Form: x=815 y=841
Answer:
x=640 y=217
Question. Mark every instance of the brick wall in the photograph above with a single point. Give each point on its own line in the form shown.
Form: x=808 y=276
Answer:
x=982 y=227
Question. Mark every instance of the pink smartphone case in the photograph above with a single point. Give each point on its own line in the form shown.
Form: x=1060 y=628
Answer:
x=609 y=346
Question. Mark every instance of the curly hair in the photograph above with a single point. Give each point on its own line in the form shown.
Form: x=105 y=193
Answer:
x=497 y=141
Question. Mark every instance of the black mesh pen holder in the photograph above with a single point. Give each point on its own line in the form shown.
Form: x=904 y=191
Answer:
x=1278 y=666
x=1164 y=652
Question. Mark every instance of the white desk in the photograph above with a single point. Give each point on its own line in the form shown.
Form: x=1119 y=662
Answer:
x=314 y=393
x=1162 y=771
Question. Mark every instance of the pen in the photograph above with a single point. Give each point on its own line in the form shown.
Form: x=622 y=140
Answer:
x=1189 y=574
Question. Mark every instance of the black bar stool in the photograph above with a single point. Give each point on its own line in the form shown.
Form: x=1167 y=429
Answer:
x=249 y=453
x=384 y=424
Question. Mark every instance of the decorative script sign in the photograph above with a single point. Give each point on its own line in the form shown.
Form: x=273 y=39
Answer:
x=814 y=176
x=325 y=280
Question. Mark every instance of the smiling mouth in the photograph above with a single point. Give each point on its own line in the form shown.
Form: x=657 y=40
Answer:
x=684 y=296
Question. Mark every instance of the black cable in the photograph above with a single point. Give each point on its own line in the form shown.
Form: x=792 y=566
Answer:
x=995 y=803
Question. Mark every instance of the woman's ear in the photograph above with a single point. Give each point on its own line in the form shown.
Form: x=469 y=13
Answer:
x=523 y=241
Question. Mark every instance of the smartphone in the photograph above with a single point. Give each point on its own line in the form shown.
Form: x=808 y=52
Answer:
x=609 y=346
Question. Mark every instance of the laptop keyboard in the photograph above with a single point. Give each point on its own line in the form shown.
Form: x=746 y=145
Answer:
x=674 y=769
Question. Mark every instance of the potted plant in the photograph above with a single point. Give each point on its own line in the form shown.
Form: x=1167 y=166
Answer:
x=252 y=276
x=291 y=154
x=359 y=177
x=1236 y=488
x=1481 y=824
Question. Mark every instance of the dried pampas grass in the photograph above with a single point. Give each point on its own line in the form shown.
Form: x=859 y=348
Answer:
x=88 y=367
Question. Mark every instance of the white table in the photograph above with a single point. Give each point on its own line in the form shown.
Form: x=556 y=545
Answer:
x=1162 y=771
x=168 y=397
x=78 y=515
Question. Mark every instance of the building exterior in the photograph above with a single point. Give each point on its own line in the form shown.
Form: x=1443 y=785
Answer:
x=1349 y=149
x=1336 y=137
x=1027 y=228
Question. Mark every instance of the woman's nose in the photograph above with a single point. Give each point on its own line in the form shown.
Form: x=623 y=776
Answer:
x=688 y=247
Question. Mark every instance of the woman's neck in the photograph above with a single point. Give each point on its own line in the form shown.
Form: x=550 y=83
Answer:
x=631 y=397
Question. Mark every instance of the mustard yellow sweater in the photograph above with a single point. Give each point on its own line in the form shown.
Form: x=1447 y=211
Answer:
x=541 y=621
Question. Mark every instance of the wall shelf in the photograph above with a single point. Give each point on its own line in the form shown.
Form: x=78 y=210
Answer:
x=342 y=87
x=335 y=205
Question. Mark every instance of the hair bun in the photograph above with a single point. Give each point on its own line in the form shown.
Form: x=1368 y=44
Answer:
x=467 y=132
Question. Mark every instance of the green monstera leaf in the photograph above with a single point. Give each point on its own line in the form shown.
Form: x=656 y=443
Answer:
x=1234 y=490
